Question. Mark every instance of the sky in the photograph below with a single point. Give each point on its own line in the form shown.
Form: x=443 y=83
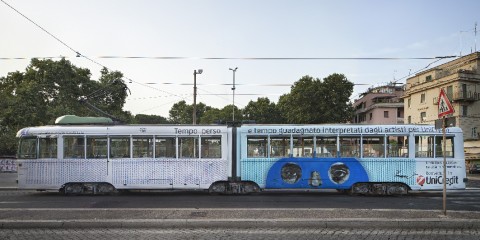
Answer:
x=157 y=44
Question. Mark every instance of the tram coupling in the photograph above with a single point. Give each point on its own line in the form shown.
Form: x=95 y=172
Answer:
x=234 y=186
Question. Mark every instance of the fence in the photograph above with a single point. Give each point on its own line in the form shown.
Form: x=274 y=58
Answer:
x=8 y=164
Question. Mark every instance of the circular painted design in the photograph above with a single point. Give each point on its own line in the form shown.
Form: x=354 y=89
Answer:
x=339 y=173
x=291 y=173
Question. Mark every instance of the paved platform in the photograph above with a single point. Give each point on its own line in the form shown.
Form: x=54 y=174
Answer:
x=285 y=218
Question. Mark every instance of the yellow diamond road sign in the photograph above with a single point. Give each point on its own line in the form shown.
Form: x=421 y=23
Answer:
x=444 y=105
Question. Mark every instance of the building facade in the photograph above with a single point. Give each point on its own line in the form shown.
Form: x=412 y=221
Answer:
x=380 y=105
x=460 y=80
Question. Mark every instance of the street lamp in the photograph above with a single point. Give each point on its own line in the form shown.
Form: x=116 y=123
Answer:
x=195 y=72
x=233 y=89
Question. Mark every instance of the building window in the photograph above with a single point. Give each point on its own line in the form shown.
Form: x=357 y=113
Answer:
x=464 y=91
x=423 y=116
x=409 y=121
x=371 y=116
x=450 y=92
x=464 y=110
x=422 y=98
x=409 y=101
x=362 y=117
x=428 y=78
x=474 y=132
x=385 y=114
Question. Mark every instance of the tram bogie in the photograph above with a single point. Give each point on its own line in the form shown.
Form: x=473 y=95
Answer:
x=379 y=189
x=92 y=188
x=234 y=187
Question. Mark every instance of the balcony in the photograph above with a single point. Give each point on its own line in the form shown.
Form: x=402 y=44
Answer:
x=465 y=96
x=460 y=96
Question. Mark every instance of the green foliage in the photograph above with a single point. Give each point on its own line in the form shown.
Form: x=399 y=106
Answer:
x=211 y=116
x=262 y=112
x=150 y=119
x=49 y=89
x=312 y=101
x=182 y=113
x=110 y=96
x=223 y=115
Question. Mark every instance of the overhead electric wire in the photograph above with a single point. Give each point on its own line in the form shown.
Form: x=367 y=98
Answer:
x=230 y=58
x=78 y=54
x=411 y=74
x=277 y=58
x=422 y=69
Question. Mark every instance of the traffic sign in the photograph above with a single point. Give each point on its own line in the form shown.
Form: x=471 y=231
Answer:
x=444 y=105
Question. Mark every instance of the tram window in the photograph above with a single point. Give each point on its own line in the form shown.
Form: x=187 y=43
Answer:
x=165 y=147
x=397 y=146
x=73 y=147
x=142 y=147
x=302 y=146
x=279 y=146
x=211 y=147
x=188 y=147
x=350 y=146
x=48 y=147
x=424 y=146
x=120 y=147
x=373 y=147
x=326 y=146
x=256 y=147
x=439 y=147
x=97 y=147
x=27 y=148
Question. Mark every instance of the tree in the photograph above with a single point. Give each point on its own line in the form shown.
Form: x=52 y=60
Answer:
x=211 y=116
x=150 y=119
x=313 y=101
x=336 y=92
x=182 y=113
x=262 y=112
x=224 y=115
x=49 y=89
x=110 y=96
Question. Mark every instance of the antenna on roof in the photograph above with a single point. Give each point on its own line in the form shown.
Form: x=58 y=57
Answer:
x=475 y=30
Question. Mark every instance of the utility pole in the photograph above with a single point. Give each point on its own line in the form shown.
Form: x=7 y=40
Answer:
x=195 y=72
x=233 y=89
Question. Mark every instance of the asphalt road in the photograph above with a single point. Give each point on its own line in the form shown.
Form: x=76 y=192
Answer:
x=459 y=200
x=269 y=215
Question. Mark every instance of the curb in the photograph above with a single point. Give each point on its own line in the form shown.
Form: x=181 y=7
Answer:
x=247 y=223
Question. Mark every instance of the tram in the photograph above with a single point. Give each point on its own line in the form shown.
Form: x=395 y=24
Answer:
x=92 y=155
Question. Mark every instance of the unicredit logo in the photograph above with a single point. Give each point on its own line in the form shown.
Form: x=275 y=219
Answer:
x=439 y=180
x=421 y=180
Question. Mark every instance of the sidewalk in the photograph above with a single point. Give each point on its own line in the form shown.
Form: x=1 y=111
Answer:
x=244 y=218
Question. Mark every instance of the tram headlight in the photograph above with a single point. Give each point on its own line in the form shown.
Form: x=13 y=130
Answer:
x=339 y=173
x=291 y=173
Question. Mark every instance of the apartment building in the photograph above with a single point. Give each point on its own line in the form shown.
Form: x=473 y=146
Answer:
x=380 y=105
x=460 y=80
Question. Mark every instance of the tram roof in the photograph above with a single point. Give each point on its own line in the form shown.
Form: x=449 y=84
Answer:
x=76 y=120
x=124 y=130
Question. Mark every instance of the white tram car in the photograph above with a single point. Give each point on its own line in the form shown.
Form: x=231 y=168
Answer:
x=367 y=159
